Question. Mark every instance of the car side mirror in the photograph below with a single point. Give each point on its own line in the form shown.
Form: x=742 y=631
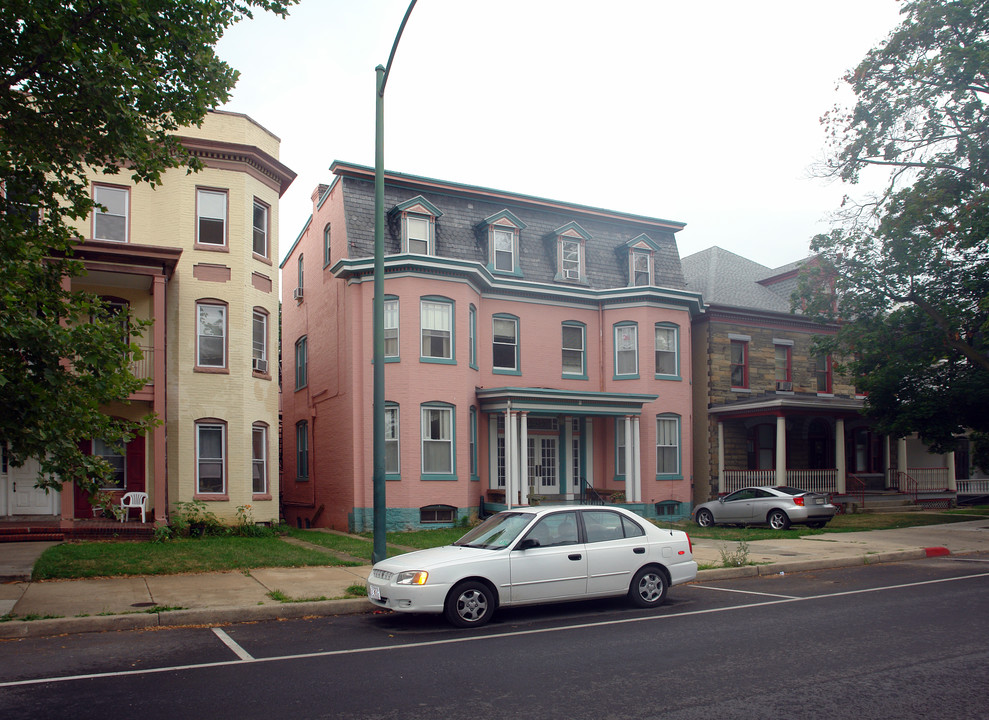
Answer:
x=528 y=543
x=721 y=499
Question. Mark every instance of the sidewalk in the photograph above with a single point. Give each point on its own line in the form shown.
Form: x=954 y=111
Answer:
x=102 y=604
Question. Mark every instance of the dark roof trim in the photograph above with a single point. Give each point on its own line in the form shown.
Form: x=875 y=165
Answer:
x=550 y=401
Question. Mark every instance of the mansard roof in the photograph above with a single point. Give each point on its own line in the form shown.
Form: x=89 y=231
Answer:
x=724 y=278
x=461 y=234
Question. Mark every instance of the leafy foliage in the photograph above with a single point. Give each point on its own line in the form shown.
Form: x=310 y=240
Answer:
x=909 y=268
x=93 y=84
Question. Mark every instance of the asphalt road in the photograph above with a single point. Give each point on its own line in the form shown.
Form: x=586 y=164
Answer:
x=899 y=640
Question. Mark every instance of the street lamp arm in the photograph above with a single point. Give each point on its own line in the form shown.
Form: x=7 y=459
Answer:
x=394 y=47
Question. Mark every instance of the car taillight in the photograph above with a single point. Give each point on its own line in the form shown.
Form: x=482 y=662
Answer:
x=798 y=501
x=690 y=544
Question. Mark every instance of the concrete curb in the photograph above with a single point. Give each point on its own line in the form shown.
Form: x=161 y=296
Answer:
x=14 y=629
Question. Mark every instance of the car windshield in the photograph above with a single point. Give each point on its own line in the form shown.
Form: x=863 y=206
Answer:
x=497 y=531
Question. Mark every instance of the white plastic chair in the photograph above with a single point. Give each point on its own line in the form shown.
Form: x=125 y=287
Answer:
x=133 y=500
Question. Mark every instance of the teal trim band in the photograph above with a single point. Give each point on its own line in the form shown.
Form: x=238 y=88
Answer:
x=442 y=477
x=438 y=361
x=626 y=377
x=669 y=377
x=503 y=371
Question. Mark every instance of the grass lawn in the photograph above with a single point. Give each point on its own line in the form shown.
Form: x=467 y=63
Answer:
x=99 y=559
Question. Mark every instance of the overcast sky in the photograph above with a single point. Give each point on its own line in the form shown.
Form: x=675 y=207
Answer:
x=702 y=112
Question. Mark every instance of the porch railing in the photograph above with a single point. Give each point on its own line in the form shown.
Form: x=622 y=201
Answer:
x=144 y=368
x=822 y=481
x=916 y=480
x=973 y=487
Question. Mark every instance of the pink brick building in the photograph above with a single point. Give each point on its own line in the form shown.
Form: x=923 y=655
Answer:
x=535 y=350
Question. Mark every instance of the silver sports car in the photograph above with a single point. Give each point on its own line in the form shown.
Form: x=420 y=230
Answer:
x=778 y=507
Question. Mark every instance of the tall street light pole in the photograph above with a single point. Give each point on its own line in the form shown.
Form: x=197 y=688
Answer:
x=378 y=408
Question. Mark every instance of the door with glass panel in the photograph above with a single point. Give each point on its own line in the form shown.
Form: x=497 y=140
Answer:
x=543 y=464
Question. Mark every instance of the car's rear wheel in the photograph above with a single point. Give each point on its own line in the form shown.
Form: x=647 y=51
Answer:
x=469 y=604
x=705 y=518
x=778 y=520
x=648 y=588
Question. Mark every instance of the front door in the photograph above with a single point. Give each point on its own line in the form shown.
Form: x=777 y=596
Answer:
x=544 y=476
x=23 y=498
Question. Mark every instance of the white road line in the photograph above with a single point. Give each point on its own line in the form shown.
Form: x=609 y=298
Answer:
x=481 y=638
x=230 y=643
x=746 y=592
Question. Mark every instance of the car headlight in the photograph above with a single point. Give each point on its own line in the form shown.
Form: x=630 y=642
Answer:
x=412 y=577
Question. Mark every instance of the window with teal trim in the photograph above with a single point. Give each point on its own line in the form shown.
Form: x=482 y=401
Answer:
x=503 y=230
x=667 y=351
x=436 y=323
x=438 y=442
x=301 y=362
x=472 y=336
x=391 y=329
x=574 y=352
x=326 y=245
x=505 y=345
x=393 y=466
x=473 y=445
x=626 y=350
x=667 y=446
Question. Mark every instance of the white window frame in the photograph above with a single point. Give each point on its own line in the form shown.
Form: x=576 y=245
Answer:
x=499 y=255
x=445 y=414
x=413 y=220
x=200 y=335
x=571 y=269
x=259 y=326
x=514 y=343
x=259 y=464
x=302 y=362
x=221 y=460
x=634 y=270
x=432 y=306
x=674 y=350
x=104 y=450
x=581 y=351
x=262 y=232
x=664 y=433
x=393 y=440
x=391 y=329
x=202 y=195
x=111 y=190
x=621 y=329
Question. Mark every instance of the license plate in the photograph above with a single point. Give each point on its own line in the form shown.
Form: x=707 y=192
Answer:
x=819 y=501
x=374 y=592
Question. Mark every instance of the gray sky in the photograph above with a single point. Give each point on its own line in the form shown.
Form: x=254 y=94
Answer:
x=702 y=112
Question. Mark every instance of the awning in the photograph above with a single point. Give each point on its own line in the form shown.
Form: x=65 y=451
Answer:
x=784 y=405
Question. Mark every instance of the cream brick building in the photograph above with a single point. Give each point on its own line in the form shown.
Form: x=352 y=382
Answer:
x=196 y=255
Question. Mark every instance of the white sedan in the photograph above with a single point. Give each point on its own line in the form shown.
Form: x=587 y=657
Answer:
x=532 y=555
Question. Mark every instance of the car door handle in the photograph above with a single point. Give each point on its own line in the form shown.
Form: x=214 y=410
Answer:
x=639 y=550
x=574 y=556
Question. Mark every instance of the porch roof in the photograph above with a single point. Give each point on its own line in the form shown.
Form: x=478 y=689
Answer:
x=776 y=405
x=550 y=401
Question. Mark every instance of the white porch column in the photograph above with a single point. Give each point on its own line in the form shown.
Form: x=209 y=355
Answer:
x=839 y=450
x=721 y=458
x=493 y=454
x=523 y=459
x=567 y=456
x=952 y=483
x=636 y=461
x=628 y=457
x=510 y=500
x=589 y=451
x=780 y=451
x=901 y=458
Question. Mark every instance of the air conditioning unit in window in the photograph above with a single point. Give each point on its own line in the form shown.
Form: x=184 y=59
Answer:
x=297 y=294
x=784 y=385
x=570 y=274
x=259 y=365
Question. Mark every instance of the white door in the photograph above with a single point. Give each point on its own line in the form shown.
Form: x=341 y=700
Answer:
x=543 y=465
x=554 y=567
x=23 y=497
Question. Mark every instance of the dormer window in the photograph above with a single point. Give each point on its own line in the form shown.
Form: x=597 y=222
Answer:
x=418 y=220
x=641 y=261
x=571 y=240
x=503 y=229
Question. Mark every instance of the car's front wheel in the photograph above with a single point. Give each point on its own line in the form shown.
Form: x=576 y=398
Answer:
x=705 y=518
x=778 y=520
x=469 y=604
x=648 y=588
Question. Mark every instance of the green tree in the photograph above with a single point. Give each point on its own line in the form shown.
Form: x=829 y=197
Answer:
x=908 y=268
x=85 y=84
